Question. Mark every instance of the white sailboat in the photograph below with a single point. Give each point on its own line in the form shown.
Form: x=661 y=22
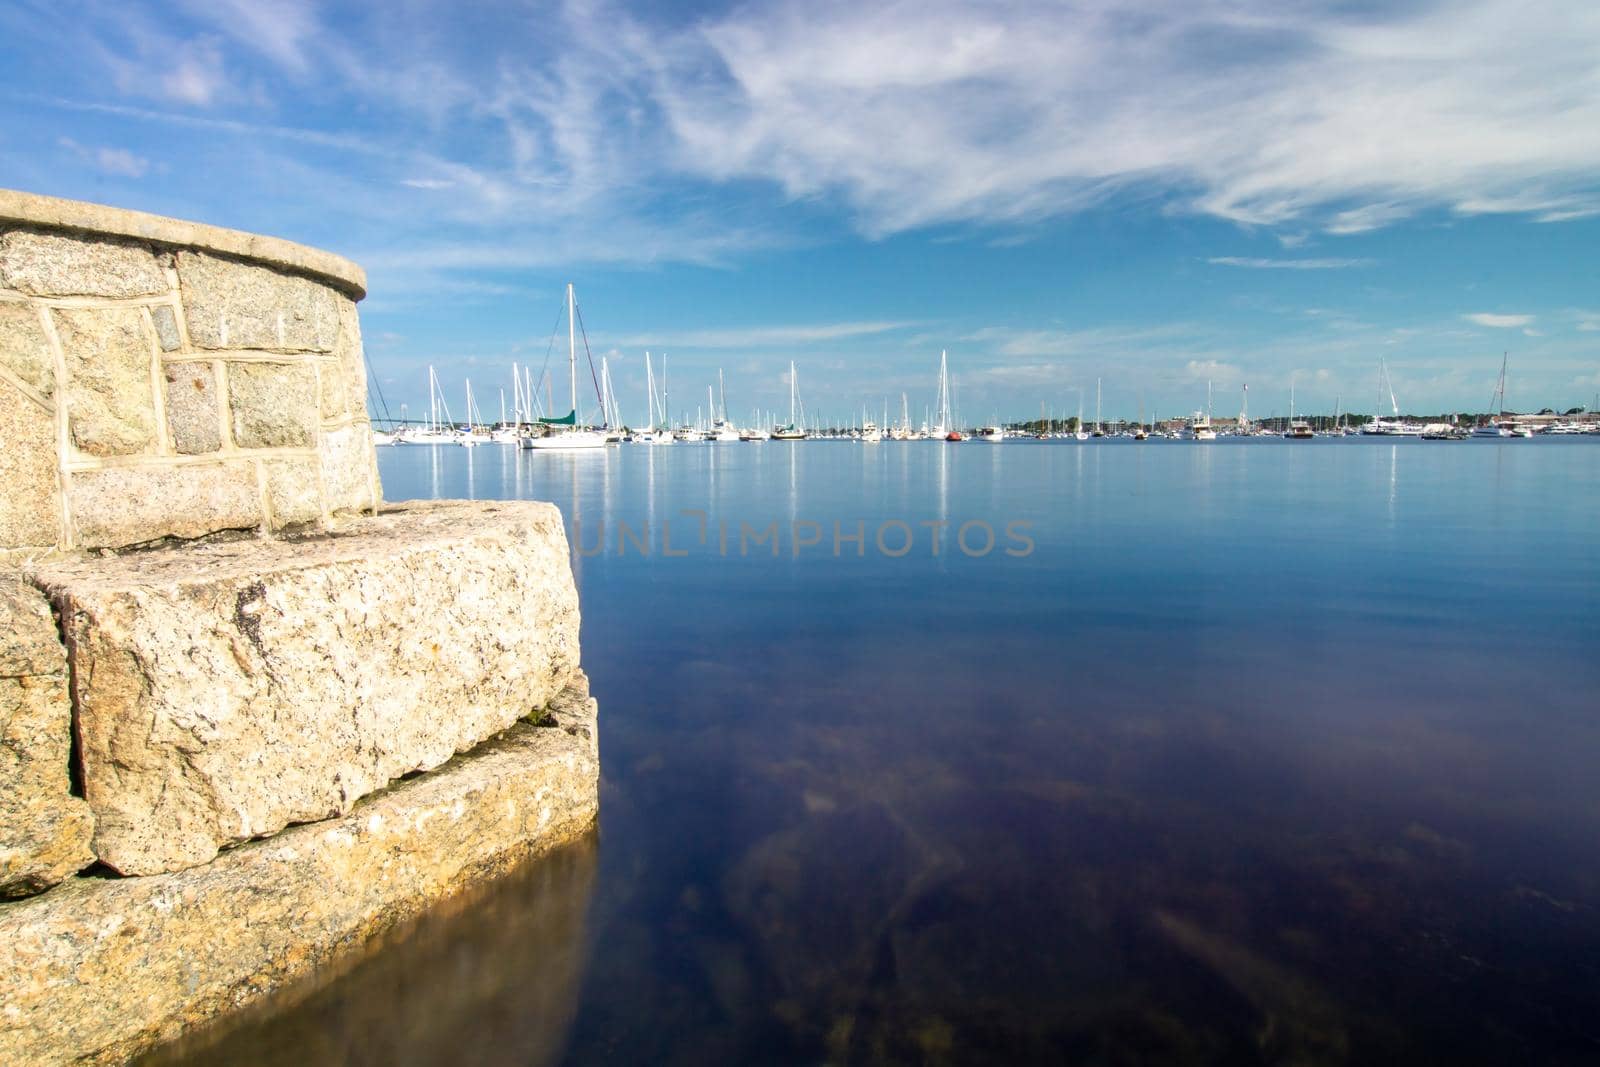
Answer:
x=793 y=431
x=1099 y=426
x=1395 y=427
x=1495 y=425
x=721 y=428
x=569 y=436
x=1080 y=433
x=436 y=432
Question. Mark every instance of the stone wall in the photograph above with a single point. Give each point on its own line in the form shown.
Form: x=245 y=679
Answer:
x=249 y=715
x=161 y=378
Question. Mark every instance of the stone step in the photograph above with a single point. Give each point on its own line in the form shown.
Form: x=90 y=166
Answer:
x=98 y=970
x=226 y=690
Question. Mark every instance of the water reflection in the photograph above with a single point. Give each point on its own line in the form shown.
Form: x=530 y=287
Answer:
x=1230 y=770
x=489 y=977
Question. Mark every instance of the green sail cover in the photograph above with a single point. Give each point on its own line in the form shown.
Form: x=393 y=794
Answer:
x=569 y=419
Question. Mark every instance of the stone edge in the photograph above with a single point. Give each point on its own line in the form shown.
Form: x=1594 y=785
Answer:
x=51 y=212
x=293 y=967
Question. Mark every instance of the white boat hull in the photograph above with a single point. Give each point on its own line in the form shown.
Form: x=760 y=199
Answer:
x=566 y=442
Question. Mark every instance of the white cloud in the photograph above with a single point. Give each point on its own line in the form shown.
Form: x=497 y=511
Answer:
x=1500 y=322
x=115 y=161
x=933 y=111
x=1288 y=264
x=762 y=336
x=121 y=161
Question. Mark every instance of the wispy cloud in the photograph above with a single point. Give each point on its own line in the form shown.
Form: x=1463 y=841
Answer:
x=762 y=336
x=1254 y=263
x=115 y=161
x=1499 y=322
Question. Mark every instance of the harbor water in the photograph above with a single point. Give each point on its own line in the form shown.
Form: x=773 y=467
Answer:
x=1109 y=752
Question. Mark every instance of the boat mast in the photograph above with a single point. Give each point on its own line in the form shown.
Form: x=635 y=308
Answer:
x=572 y=352
x=791 y=394
x=1099 y=427
x=650 y=390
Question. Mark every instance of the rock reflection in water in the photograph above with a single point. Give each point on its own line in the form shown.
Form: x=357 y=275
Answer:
x=488 y=977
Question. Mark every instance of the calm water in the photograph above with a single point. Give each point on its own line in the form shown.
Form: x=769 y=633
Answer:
x=1266 y=752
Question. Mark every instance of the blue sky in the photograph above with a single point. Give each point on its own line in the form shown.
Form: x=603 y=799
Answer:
x=1155 y=194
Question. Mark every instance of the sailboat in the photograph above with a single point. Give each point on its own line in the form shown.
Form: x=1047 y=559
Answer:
x=941 y=430
x=567 y=435
x=1080 y=433
x=791 y=432
x=1299 y=429
x=1381 y=427
x=472 y=435
x=1099 y=427
x=721 y=428
x=1139 y=433
x=1495 y=425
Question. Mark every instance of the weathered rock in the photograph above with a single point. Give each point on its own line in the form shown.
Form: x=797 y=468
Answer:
x=118 y=506
x=24 y=349
x=44 y=829
x=352 y=357
x=166 y=323
x=98 y=969
x=232 y=304
x=58 y=264
x=30 y=493
x=227 y=690
x=292 y=496
x=274 y=404
x=110 y=407
x=331 y=382
x=193 y=418
x=347 y=467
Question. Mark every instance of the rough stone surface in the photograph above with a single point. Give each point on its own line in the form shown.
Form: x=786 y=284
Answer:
x=40 y=263
x=227 y=690
x=231 y=304
x=24 y=349
x=48 y=212
x=347 y=460
x=274 y=404
x=44 y=830
x=192 y=414
x=292 y=495
x=331 y=381
x=30 y=494
x=99 y=970
x=352 y=357
x=120 y=506
x=166 y=323
x=110 y=409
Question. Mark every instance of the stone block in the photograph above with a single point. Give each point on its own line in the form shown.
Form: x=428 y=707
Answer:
x=193 y=419
x=274 y=405
x=110 y=406
x=24 y=349
x=332 y=384
x=102 y=969
x=227 y=690
x=44 y=829
x=166 y=323
x=232 y=304
x=40 y=263
x=292 y=493
x=352 y=357
x=119 y=506
x=30 y=491
x=347 y=468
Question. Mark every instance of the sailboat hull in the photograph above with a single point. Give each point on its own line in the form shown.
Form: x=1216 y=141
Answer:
x=576 y=440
